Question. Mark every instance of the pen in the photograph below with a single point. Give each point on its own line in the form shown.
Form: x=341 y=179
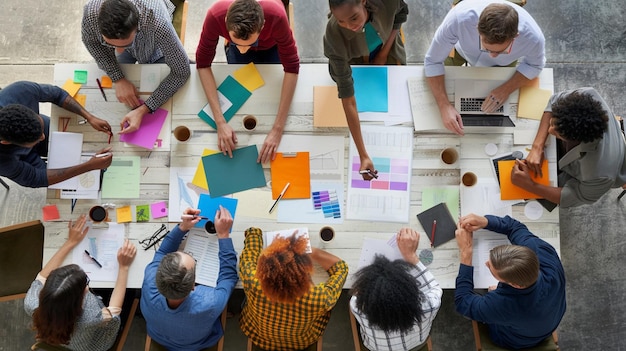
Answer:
x=93 y=258
x=101 y=90
x=102 y=155
x=432 y=233
x=187 y=216
x=282 y=193
x=369 y=171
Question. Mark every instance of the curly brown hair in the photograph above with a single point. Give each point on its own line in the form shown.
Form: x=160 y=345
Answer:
x=284 y=269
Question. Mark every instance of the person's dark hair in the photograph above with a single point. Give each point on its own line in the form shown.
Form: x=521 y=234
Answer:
x=515 y=264
x=498 y=23
x=173 y=279
x=388 y=295
x=19 y=124
x=117 y=19
x=60 y=304
x=372 y=6
x=244 y=18
x=284 y=269
x=579 y=117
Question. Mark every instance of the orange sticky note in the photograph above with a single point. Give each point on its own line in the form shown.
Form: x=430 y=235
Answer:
x=124 y=214
x=106 y=82
x=81 y=98
x=508 y=191
x=50 y=213
x=327 y=107
x=292 y=168
x=199 y=178
x=71 y=87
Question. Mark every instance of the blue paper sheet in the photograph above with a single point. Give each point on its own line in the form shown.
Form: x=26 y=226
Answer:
x=234 y=92
x=227 y=175
x=370 y=89
x=208 y=206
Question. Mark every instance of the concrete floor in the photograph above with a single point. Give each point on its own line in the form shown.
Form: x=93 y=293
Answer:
x=586 y=46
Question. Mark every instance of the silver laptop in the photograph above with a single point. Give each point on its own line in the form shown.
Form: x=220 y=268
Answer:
x=469 y=95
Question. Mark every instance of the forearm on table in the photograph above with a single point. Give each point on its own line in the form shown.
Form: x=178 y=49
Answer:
x=542 y=132
x=70 y=104
x=354 y=125
x=323 y=258
x=516 y=81
x=210 y=91
x=437 y=86
x=547 y=192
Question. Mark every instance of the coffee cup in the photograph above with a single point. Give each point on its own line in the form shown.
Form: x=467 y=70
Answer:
x=449 y=156
x=249 y=122
x=210 y=227
x=182 y=133
x=469 y=179
x=97 y=214
x=327 y=234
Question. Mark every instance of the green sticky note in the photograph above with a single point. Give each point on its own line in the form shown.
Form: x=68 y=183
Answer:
x=80 y=76
x=142 y=213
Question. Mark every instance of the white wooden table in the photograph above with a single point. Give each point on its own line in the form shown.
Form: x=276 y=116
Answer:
x=428 y=170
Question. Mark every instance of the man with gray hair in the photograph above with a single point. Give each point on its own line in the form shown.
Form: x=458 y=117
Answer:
x=529 y=301
x=180 y=315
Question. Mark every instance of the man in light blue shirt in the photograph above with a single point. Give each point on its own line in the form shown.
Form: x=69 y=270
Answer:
x=486 y=33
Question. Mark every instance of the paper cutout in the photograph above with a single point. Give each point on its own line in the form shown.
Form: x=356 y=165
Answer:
x=370 y=89
x=80 y=76
x=158 y=209
x=445 y=227
x=208 y=206
x=124 y=214
x=106 y=82
x=142 y=213
x=81 y=99
x=199 y=178
x=292 y=168
x=227 y=175
x=121 y=180
x=509 y=191
x=148 y=131
x=249 y=77
x=532 y=102
x=327 y=107
x=71 y=87
x=235 y=94
x=50 y=213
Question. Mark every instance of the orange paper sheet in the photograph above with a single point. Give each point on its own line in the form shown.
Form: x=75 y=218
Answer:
x=327 y=108
x=508 y=191
x=292 y=168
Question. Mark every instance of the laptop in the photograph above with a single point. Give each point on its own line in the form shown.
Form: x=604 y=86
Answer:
x=469 y=95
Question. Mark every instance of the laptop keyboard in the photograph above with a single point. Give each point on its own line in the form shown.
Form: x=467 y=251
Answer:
x=474 y=104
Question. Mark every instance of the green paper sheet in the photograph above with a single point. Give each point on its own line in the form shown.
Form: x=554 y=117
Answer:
x=232 y=96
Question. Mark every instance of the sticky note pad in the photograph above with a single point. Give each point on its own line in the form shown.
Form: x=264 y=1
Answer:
x=208 y=206
x=142 y=213
x=80 y=76
x=106 y=82
x=50 y=213
x=199 y=177
x=124 y=214
x=158 y=209
x=249 y=77
x=71 y=87
x=81 y=98
x=227 y=175
x=292 y=168
x=508 y=191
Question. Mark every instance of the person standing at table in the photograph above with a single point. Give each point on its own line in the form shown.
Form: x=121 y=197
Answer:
x=181 y=315
x=255 y=31
x=591 y=142
x=135 y=31
x=284 y=310
x=484 y=33
x=529 y=301
x=362 y=32
x=409 y=292
x=65 y=312
x=24 y=134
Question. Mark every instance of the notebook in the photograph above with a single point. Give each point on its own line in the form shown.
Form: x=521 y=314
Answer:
x=469 y=95
x=445 y=227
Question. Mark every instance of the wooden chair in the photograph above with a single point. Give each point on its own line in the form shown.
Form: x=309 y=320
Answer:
x=220 y=344
x=21 y=255
x=356 y=336
x=318 y=345
x=483 y=343
x=179 y=18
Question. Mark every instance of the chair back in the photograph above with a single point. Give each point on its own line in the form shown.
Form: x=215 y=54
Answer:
x=484 y=343
x=21 y=256
x=179 y=18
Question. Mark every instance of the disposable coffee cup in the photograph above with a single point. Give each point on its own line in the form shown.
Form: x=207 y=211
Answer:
x=182 y=133
x=97 y=214
x=327 y=234
x=449 y=156
x=249 y=122
x=469 y=179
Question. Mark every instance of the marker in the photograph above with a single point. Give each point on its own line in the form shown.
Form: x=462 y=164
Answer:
x=101 y=90
x=187 y=216
x=432 y=233
x=282 y=193
x=369 y=171
x=102 y=155
x=93 y=258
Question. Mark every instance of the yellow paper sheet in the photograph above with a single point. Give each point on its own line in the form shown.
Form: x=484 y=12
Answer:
x=532 y=102
x=327 y=107
x=199 y=178
x=293 y=169
x=124 y=214
x=508 y=191
x=249 y=77
x=106 y=82
x=71 y=87
x=81 y=98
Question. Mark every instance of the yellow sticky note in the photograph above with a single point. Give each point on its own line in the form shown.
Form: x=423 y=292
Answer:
x=124 y=214
x=199 y=178
x=106 y=82
x=71 y=87
x=249 y=77
x=327 y=107
x=81 y=98
x=532 y=102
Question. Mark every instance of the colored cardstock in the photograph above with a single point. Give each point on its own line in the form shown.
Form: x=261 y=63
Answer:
x=532 y=102
x=249 y=77
x=208 y=206
x=71 y=87
x=327 y=107
x=227 y=175
x=158 y=209
x=50 y=213
x=148 y=131
x=232 y=96
x=370 y=89
x=292 y=168
x=199 y=178
x=508 y=191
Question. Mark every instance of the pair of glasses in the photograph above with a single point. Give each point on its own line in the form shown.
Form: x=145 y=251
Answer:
x=155 y=238
x=191 y=254
x=253 y=45
x=109 y=45
x=503 y=52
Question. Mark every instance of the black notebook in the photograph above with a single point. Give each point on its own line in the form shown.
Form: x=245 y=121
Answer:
x=445 y=227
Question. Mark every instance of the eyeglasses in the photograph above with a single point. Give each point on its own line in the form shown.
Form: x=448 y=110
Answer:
x=191 y=254
x=154 y=238
x=109 y=45
x=253 y=45
x=503 y=52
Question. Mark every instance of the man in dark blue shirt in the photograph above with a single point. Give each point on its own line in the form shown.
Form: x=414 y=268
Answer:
x=23 y=134
x=529 y=301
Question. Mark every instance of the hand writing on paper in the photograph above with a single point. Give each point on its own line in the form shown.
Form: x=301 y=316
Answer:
x=534 y=161
x=189 y=222
x=226 y=139
x=520 y=175
x=223 y=222
x=408 y=241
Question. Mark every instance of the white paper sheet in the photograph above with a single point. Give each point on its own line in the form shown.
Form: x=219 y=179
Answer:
x=426 y=115
x=150 y=78
x=182 y=193
x=484 y=241
x=88 y=184
x=65 y=150
x=102 y=243
x=205 y=249
x=372 y=247
x=484 y=198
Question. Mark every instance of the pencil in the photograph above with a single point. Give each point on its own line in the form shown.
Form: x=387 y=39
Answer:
x=432 y=233
x=101 y=90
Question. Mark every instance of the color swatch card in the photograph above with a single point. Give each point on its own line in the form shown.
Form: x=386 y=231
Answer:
x=327 y=107
x=292 y=168
x=325 y=205
x=370 y=89
x=438 y=224
x=509 y=191
x=227 y=175
x=232 y=96
x=148 y=131
x=208 y=206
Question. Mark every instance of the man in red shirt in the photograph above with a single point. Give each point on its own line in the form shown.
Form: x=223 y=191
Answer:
x=256 y=31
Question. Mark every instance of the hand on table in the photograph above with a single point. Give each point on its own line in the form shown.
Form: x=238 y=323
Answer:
x=494 y=100
x=408 y=241
x=270 y=145
x=520 y=175
x=452 y=120
x=226 y=139
x=473 y=222
x=77 y=230
x=534 y=160
x=132 y=120
x=99 y=124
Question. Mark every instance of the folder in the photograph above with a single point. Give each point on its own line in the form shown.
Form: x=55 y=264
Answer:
x=292 y=168
x=508 y=191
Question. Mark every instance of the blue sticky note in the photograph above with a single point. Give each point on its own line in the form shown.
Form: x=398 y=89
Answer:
x=208 y=206
x=370 y=89
x=227 y=175
x=232 y=90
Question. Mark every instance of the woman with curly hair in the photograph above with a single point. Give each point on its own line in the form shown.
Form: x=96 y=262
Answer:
x=592 y=147
x=396 y=302
x=64 y=311
x=284 y=309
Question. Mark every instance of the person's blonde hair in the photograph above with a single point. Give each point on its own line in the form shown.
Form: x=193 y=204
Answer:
x=515 y=264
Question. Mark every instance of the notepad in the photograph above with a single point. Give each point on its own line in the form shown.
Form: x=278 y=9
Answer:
x=446 y=225
x=208 y=206
x=204 y=248
x=232 y=95
x=227 y=175
x=509 y=191
x=148 y=131
x=292 y=168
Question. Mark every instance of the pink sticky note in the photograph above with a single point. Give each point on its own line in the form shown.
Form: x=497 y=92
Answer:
x=158 y=209
x=148 y=131
x=50 y=213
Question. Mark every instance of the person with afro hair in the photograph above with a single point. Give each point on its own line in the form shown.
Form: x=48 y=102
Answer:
x=395 y=302
x=24 y=134
x=592 y=144
x=284 y=309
